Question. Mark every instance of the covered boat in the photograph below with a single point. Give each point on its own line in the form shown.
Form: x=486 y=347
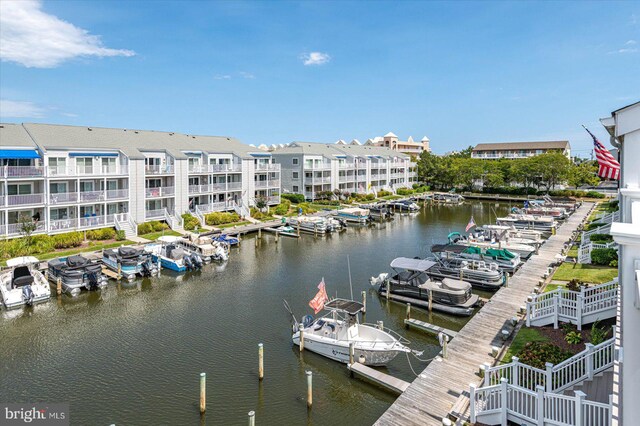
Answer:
x=129 y=262
x=521 y=236
x=506 y=260
x=75 y=273
x=412 y=280
x=353 y=214
x=312 y=224
x=480 y=274
x=477 y=239
x=23 y=284
x=403 y=206
x=526 y=221
x=378 y=211
x=331 y=334
x=205 y=247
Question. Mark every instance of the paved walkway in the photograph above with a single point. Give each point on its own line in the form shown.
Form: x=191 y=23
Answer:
x=432 y=395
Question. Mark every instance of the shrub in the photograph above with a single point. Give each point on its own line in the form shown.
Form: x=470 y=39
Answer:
x=598 y=335
x=603 y=256
x=613 y=263
x=158 y=226
x=294 y=198
x=145 y=228
x=383 y=193
x=190 y=222
x=593 y=225
x=405 y=191
x=595 y=194
x=601 y=238
x=306 y=208
x=573 y=337
x=282 y=208
x=536 y=354
x=221 y=218
x=101 y=234
x=120 y=236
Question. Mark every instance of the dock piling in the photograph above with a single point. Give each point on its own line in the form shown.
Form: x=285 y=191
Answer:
x=430 y=300
x=260 y=361
x=351 y=352
x=408 y=310
x=309 y=389
x=364 y=302
x=252 y=418
x=203 y=392
x=380 y=325
x=59 y=286
x=301 y=328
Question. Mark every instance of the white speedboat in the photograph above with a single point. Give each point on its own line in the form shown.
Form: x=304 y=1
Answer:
x=23 y=284
x=526 y=221
x=331 y=335
x=171 y=256
x=521 y=236
x=205 y=247
x=479 y=240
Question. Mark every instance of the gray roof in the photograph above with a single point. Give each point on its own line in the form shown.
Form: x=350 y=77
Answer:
x=14 y=135
x=522 y=145
x=133 y=143
x=332 y=150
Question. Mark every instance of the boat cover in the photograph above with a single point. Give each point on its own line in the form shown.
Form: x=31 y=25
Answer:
x=76 y=261
x=453 y=248
x=412 y=264
x=455 y=284
x=128 y=252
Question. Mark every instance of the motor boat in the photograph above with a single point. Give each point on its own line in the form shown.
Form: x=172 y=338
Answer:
x=521 y=236
x=227 y=239
x=480 y=274
x=75 y=273
x=477 y=239
x=403 y=206
x=23 y=284
x=331 y=334
x=312 y=224
x=411 y=281
x=354 y=214
x=506 y=260
x=205 y=247
x=378 y=211
x=129 y=262
x=171 y=256
x=447 y=198
x=557 y=213
x=526 y=221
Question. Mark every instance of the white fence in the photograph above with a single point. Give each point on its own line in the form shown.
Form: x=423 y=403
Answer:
x=584 y=253
x=504 y=402
x=586 y=306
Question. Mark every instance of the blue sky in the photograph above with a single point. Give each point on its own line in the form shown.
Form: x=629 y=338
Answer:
x=273 y=72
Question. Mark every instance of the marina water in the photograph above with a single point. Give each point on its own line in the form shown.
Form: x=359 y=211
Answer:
x=132 y=354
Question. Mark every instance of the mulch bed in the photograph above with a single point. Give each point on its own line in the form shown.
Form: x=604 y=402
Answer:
x=556 y=337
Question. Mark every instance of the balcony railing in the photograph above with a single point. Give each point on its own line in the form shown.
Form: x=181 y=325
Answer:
x=214 y=168
x=63 y=224
x=23 y=200
x=199 y=189
x=92 y=221
x=344 y=166
x=342 y=178
x=261 y=183
x=56 y=171
x=268 y=167
x=115 y=194
x=63 y=198
x=154 y=214
x=162 y=191
x=234 y=186
x=15 y=228
x=21 y=171
x=213 y=207
x=90 y=196
x=159 y=170
x=273 y=199
x=323 y=166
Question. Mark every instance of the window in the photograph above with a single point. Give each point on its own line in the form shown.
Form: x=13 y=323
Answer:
x=84 y=165
x=20 y=189
x=154 y=183
x=108 y=165
x=58 y=164
x=58 y=188
x=295 y=161
x=295 y=188
x=58 y=214
x=294 y=175
x=86 y=186
x=112 y=185
x=308 y=175
x=193 y=163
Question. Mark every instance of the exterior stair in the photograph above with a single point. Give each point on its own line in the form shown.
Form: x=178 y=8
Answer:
x=124 y=223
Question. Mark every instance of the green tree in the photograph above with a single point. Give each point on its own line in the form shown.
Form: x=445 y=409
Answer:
x=583 y=174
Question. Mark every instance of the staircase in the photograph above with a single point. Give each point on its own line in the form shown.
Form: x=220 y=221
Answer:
x=244 y=212
x=176 y=223
x=124 y=222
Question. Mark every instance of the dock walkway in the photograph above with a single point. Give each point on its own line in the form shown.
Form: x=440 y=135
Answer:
x=432 y=395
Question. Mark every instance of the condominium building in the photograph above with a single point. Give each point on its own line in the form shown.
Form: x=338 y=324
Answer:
x=515 y=150
x=309 y=168
x=409 y=146
x=67 y=178
x=624 y=128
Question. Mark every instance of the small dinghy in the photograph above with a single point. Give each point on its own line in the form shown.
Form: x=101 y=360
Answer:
x=23 y=284
x=76 y=273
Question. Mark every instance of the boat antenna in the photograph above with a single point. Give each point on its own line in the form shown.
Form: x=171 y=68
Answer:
x=350 y=284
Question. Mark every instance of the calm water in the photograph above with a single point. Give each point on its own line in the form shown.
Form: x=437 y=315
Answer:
x=132 y=354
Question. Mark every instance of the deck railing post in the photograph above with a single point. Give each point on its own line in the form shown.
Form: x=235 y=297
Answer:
x=556 y=311
x=528 y=314
x=515 y=371
x=548 y=382
x=472 y=402
x=579 y=306
x=578 y=407
x=589 y=359
x=540 y=404
x=503 y=401
x=487 y=374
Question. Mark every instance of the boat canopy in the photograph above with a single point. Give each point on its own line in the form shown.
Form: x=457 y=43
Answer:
x=343 y=305
x=20 y=261
x=169 y=239
x=453 y=248
x=412 y=264
x=504 y=253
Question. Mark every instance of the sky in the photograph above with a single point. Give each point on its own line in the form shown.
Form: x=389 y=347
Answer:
x=460 y=73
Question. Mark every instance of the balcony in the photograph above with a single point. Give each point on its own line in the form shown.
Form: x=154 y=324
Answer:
x=162 y=191
x=261 y=183
x=63 y=198
x=24 y=200
x=273 y=199
x=214 y=168
x=154 y=214
x=167 y=169
x=91 y=196
x=234 y=186
x=213 y=207
x=20 y=172
x=15 y=228
x=268 y=167
x=63 y=224
x=345 y=166
x=93 y=221
x=343 y=178
x=117 y=194
x=323 y=166
x=199 y=189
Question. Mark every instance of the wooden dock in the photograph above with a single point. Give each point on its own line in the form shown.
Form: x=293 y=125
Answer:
x=433 y=394
x=281 y=233
x=251 y=227
x=386 y=381
x=430 y=328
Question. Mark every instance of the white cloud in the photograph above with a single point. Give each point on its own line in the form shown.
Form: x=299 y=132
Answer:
x=631 y=43
x=18 y=109
x=625 y=50
x=247 y=75
x=33 y=38
x=315 y=58
x=222 y=77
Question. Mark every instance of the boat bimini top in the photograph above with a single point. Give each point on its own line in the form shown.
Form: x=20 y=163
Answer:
x=409 y=264
x=350 y=307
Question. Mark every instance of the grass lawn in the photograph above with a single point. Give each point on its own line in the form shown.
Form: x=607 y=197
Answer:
x=551 y=287
x=64 y=253
x=573 y=251
x=586 y=273
x=155 y=235
x=231 y=225
x=524 y=336
x=323 y=206
x=391 y=197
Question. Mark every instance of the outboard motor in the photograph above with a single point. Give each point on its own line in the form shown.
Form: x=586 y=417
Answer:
x=197 y=262
x=187 y=262
x=146 y=269
x=27 y=294
x=307 y=321
x=92 y=279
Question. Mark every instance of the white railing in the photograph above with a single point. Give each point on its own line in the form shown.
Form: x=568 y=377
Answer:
x=607 y=217
x=15 y=228
x=505 y=402
x=273 y=199
x=154 y=214
x=555 y=378
x=63 y=197
x=21 y=171
x=584 y=252
x=113 y=194
x=162 y=191
x=215 y=168
x=198 y=189
x=159 y=170
x=261 y=183
x=234 y=186
x=323 y=166
x=63 y=224
x=268 y=167
x=85 y=196
x=586 y=235
x=342 y=178
x=583 y=307
x=55 y=171
x=92 y=221
x=213 y=207
x=198 y=215
x=346 y=166
x=20 y=200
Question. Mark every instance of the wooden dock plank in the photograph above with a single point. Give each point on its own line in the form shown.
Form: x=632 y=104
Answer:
x=389 y=382
x=433 y=394
x=425 y=326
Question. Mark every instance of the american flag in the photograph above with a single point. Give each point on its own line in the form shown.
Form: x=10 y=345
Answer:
x=608 y=166
x=470 y=225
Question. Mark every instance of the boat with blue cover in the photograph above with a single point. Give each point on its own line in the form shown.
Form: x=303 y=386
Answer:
x=225 y=238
